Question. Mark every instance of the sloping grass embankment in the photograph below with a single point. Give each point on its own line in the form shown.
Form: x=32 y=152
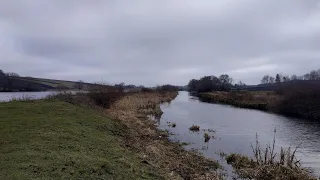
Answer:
x=57 y=140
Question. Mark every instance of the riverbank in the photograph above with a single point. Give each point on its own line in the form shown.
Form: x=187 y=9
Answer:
x=237 y=99
x=53 y=139
x=293 y=104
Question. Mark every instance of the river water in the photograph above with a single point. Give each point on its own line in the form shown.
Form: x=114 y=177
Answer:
x=235 y=129
x=7 y=96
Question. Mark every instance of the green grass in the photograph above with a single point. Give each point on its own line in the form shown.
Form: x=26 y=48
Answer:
x=56 y=140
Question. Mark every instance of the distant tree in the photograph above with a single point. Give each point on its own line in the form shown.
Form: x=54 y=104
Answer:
x=314 y=75
x=12 y=74
x=225 y=82
x=294 y=77
x=120 y=86
x=2 y=73
x=193 y=84
x=211 y=83
x=225 y=79
x=239 y=85
x=306 y=76
x=271 y=79
x=130 y=86
x=79 y=85
x=285 y=78
x=278 y=79
x=265 y=79
x=206 y=84
x=167 y=87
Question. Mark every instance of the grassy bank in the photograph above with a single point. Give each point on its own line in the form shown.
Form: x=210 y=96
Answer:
x=152 y=144
x=54 y=139
x=250 y=100
x=57 y=140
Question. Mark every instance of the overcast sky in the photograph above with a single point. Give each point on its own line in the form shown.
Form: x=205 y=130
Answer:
x=153 y=42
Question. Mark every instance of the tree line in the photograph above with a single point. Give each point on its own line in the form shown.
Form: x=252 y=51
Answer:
x=2 y=73
x=312 y=75
x=166 y=87
x=211 y=83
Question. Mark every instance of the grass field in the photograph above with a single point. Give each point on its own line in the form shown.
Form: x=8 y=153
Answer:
x=50 y=82
x=56 y=140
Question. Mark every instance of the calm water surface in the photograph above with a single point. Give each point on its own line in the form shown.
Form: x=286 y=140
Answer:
x=7 y=96
x=235 y=129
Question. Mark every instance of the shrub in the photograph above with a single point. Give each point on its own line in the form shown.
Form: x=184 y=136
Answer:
x=101 y=95
x=147 y=90
x=105 y=98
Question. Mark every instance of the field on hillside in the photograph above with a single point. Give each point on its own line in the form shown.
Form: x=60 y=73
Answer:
x=51 y=82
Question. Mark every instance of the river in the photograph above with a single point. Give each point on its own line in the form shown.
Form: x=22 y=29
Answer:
x=235 y=129
x=7 y=96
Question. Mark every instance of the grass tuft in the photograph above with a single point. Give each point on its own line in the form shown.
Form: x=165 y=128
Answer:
x=268 y=164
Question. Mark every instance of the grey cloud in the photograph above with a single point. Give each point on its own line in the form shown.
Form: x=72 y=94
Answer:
x=155 y=42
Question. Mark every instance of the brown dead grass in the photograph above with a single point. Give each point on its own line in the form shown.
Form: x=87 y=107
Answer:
x=261 y=100
x=151 y=144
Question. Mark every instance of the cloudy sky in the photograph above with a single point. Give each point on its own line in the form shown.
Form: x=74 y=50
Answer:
x=153 y=42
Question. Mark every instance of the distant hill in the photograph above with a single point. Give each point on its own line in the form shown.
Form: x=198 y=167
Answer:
x=15 y=83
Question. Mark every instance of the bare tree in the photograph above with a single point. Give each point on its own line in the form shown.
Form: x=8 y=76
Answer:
x=265 y=79
x=294 y=77
x=271 y=79
x=12 y=74
x=2 y=73
x=240 y=84
x=278 y=78
x=314 y=75
x=306 y=76
x=285 y=78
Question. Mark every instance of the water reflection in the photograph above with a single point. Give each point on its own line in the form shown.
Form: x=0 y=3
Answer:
x=235 y=129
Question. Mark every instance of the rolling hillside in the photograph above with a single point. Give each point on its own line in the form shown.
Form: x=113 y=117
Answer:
x=13 y=83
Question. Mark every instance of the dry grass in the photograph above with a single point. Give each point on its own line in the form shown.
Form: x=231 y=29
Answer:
x=242 y=99
x=151 y=144
x=295 y=101
x=268 y=164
